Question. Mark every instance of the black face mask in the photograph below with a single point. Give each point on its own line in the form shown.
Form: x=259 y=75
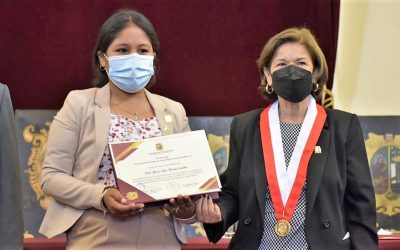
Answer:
x=292 y=83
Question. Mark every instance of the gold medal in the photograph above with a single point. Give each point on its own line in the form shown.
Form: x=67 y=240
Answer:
x=282 y=228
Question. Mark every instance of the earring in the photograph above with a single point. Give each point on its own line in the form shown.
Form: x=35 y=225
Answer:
x=102 y=68
x=269 y=89
x=315 y=87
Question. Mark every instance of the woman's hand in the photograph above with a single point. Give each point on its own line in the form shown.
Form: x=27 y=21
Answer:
x=207 y=211
x=182 y=207
x=118 y=206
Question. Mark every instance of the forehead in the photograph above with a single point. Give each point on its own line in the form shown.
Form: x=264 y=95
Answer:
x=291 y=51
x=131 y=34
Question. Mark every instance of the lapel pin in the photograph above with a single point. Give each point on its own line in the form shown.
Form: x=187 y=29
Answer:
x=168 y=119
x=317 y=150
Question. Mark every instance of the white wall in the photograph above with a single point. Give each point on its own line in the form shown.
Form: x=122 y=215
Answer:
x=367 y=74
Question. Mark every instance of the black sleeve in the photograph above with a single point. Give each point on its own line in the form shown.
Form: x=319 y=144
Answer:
x=228 y=201
x=360 y=196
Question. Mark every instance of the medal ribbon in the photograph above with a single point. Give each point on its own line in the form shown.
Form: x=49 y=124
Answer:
x=286 y=211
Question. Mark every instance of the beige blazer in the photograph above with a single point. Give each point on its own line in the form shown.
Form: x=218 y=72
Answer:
x=76 y=143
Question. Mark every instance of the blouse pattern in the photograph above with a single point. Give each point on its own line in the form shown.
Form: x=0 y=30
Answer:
x=124 y=129
x=297 y=236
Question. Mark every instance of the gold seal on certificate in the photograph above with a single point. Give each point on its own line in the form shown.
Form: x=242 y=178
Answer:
x=160 y=168
x=282 y=228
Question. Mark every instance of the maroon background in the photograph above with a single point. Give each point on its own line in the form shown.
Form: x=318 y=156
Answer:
x=208 y=47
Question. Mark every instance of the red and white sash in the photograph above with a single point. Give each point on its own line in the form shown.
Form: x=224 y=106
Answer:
x=286 y=185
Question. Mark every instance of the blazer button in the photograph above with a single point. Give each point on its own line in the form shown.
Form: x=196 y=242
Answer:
x=246 y=221
x=326 y=224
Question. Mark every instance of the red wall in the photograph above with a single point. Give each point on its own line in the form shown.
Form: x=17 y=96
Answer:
x=208 y=47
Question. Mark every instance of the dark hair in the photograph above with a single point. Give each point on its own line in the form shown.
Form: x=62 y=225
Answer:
x=110 y=29
x=297 y=35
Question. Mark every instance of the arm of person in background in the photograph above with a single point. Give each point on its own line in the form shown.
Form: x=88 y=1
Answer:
x=360 y=196
x=218 y=217
x=11 y=220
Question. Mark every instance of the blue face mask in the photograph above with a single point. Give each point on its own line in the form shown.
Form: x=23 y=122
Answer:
x=131 y=73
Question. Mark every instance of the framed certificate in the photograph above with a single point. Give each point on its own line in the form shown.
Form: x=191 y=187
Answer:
x=160 y=168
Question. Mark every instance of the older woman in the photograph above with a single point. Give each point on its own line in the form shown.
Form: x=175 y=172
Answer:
x=298 y=175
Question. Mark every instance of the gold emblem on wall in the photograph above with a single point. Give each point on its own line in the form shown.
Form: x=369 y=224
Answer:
x=199 y=229
x=327 y=99
x=219 y=146
x=384 y=160
x=38 y=141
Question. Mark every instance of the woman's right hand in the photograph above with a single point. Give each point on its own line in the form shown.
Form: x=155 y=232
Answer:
x=118 y=206
x=207 y=211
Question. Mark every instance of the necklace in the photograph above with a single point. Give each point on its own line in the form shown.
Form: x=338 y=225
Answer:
x=134 y=115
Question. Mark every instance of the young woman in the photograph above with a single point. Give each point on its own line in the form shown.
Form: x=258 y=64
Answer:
x=77 y=170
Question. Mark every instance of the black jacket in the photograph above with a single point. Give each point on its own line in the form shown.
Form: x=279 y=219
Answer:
x=339 y=195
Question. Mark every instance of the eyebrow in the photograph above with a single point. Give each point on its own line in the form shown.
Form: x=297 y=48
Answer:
x=283 y=59
x=144 y=44
x=128 y=45
x=121 y=44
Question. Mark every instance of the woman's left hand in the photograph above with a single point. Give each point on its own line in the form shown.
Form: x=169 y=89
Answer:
x=181 y=207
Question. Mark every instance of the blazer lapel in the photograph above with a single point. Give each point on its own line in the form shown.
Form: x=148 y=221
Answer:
x=102 y=118
x=316 y=167
x=164 y=119
x=260 y=178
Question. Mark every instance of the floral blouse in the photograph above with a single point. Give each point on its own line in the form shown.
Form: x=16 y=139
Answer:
x=124 y=129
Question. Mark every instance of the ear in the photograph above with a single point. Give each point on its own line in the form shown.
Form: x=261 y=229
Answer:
x=103 y=61
x=267 y=75
x=314 y=76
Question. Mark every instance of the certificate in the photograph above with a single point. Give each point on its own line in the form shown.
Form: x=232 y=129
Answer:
x=160 y=168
